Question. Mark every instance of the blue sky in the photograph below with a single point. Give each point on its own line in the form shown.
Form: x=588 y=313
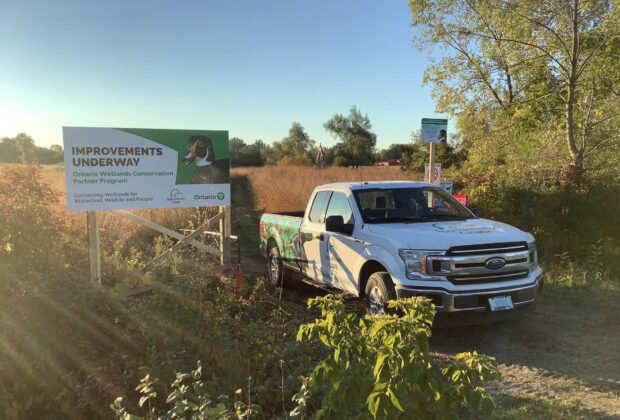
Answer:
x=251 y=67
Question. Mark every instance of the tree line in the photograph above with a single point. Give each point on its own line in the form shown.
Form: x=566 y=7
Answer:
x=355 y=146
x=21 y=149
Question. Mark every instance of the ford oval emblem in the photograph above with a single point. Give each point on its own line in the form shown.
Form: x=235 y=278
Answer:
x=495 y=263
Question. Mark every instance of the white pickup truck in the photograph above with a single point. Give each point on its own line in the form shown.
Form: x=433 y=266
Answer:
x=385 y=240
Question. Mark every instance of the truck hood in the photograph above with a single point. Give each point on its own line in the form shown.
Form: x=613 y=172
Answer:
x=443 y=235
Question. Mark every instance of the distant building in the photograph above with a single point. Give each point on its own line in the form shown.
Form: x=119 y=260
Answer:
x=391 y=162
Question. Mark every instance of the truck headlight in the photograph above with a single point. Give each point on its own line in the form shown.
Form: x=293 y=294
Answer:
x=533 y=255
x=415 y=262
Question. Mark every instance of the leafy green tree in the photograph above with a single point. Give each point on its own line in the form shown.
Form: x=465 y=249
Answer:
x=357 y=142
x=242 y=154
x=8 y=151
x=296 y=148
x=415 y=154
x=48 y=156
x=393 y=151
x=22 y=149
x=541 y=72
x=25 y=147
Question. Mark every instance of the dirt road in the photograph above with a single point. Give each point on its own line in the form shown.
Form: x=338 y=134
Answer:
x=567 y=348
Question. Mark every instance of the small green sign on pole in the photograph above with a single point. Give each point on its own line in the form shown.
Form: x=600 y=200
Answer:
x=434 y=130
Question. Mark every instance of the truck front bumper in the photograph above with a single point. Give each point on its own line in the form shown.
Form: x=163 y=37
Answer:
x=476 y=300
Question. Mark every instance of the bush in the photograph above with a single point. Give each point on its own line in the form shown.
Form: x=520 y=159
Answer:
x=189 y=399
x=31 y=231
x=570 y=224
x=382 y=367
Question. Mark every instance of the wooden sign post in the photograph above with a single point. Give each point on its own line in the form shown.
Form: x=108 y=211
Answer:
x=94 y=251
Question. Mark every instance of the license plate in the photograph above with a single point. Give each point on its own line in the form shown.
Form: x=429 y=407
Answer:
x=500 y=303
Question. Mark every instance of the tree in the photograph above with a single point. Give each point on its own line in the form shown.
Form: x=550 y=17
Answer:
x=415 y=154
x=357 y=142
x=8 y=151
x=21 y=149
x=296 y=148
x=49 y=156
x=242 y=154
x=526 y=64
x=393 y=151
x=25 y=147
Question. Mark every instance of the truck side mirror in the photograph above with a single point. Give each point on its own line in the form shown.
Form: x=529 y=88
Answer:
x=336 y=224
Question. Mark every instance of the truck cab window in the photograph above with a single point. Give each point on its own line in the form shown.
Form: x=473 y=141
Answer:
x=339 y=206
x=409 y=205
x=317 y=211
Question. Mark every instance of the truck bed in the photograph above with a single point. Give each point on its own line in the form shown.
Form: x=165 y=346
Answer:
x=284 y=229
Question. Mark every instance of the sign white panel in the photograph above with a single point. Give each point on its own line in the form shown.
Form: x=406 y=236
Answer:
x=436 y=173
x=125 y=168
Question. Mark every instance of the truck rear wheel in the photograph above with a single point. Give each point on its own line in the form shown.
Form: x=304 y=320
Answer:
x=275 y=268
x=379 y=290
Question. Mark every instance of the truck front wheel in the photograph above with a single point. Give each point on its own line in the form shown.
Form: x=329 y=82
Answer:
x=379 y=290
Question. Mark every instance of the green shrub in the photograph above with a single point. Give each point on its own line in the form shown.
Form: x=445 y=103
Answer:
x=33 y=235
x=382 y=367
x=188 y=399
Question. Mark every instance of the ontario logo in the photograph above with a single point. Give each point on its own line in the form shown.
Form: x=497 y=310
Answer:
x=219 y=196
x=176 y=196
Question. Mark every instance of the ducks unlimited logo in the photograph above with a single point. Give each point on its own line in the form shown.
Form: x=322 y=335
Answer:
x=176 y=196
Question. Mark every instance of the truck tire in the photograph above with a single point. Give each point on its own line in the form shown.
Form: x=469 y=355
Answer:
x=379 y=290
x=275 y=268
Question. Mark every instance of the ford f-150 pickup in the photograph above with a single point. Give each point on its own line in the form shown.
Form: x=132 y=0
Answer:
x=384 y=240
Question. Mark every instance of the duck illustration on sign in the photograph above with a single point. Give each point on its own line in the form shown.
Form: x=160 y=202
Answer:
x=201 y=154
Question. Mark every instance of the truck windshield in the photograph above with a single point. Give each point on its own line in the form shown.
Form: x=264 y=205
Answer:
x=409 y=205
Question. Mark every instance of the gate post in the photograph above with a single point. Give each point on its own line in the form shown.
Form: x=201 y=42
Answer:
x=225 y=229
x=94 y=252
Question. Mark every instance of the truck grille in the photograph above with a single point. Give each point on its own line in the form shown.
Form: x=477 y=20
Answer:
x=488 y=278
x=486 y=249
x=470 y=264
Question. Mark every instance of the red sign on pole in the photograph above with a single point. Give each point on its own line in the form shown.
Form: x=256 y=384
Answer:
x=461 y=198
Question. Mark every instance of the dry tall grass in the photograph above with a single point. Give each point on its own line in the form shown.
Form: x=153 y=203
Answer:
x=287 y=188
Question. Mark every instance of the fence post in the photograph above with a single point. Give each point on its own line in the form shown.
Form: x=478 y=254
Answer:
x=94 y=252
x=225 y=228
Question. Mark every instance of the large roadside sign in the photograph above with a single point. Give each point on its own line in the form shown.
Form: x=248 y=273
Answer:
x=434 y=130
x=134 y=168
